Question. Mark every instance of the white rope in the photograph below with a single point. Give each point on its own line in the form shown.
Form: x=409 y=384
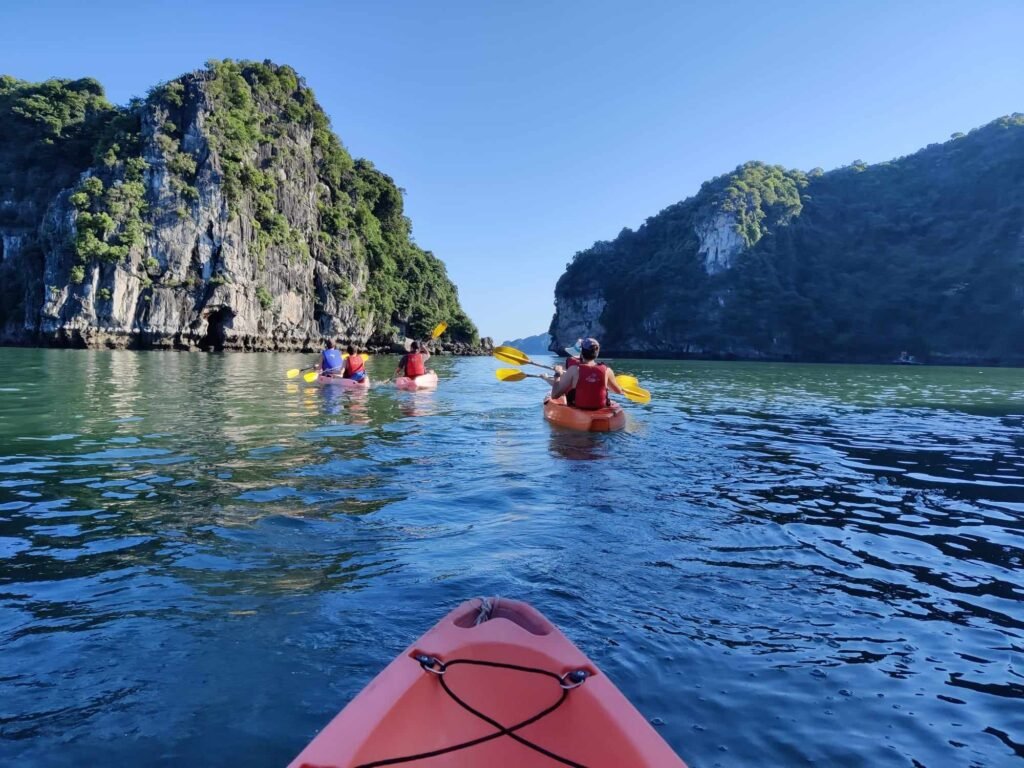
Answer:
x=486 y=607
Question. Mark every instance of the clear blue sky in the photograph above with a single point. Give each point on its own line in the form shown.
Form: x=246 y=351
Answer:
x=524 y=130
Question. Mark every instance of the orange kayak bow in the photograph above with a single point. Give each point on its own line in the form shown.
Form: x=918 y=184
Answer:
x=493 y=684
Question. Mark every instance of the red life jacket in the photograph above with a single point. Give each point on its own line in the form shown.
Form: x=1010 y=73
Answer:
x=414 y=365
x=353 y=365
x=570 y=362
x=591 y=392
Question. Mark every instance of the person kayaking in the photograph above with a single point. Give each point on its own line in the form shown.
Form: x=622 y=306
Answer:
x=572 y=354
x=354 y=365
x=413 y=364
x=330 y=360
x=572 y=359
x=590 y=380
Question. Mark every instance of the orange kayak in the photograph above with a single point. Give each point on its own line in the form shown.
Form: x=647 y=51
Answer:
x=427 y=381
x=494 y=684
x=610 y=419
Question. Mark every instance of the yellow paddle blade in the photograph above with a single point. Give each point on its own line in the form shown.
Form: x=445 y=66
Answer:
x=509 y=374
x=510 y=355
x=438 y=330
x=625 y=380
x=293 y=373
x=312 y=376
x=636 y=394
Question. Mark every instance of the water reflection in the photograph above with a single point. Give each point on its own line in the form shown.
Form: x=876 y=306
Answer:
x=579 y=446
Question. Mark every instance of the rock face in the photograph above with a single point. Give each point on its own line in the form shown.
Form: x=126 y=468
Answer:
x=720 y=241
x=577 y=317
x=218 y=213
x=923 y=255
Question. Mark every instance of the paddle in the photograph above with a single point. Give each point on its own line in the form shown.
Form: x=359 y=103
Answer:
x=514 y=374
x=631 y=390
x=293 y=372
x=513 y=356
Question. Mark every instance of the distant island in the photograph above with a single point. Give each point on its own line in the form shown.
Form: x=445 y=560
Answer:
x=920 y=259
x=531 y=345
x=218 y=212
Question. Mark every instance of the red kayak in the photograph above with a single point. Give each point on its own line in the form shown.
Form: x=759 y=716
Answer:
x=493 y=684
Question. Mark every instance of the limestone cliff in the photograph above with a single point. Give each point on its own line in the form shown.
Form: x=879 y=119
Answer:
x=218 y=212
x=924 y=254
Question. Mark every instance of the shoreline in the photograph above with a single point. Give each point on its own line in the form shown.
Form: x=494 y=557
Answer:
x=455 y=349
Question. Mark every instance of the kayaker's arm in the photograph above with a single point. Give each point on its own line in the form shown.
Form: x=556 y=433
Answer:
x=611 y=383
x=565 y=382
x=552 y=380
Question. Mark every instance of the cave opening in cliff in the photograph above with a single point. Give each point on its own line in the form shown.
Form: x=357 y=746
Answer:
x=217 y=323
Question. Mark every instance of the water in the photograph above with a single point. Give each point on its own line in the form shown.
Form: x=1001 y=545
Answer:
x=200 y=562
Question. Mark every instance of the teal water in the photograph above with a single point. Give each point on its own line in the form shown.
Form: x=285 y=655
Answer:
x=200 y=562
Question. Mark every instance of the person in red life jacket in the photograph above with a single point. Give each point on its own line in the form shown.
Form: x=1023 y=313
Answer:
x=414 y=363
x=590 y=379
x=330 y=360
x=354 y=366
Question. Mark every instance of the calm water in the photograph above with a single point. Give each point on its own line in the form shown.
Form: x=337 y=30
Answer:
x=200 y=562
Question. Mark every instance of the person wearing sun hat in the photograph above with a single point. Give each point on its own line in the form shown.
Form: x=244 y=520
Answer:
x=589 y=380
x=572 y=359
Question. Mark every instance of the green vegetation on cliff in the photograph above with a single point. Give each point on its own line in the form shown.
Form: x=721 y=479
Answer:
x=361 y=208
x=924 y=253
x=125 y=171
x=47 y=135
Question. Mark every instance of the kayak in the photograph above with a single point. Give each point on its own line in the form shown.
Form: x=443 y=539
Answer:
x=340 y=381
x=610 y=419
x=427 y=381
x=493 y=684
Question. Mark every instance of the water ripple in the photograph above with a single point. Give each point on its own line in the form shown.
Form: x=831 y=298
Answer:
x=783 y=565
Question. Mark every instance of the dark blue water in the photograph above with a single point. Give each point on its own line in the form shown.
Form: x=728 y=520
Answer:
x=200 y=563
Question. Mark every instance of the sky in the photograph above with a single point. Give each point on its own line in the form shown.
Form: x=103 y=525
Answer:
x=525 y=130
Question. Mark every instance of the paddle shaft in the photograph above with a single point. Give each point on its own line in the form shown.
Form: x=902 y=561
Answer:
x=540 y=365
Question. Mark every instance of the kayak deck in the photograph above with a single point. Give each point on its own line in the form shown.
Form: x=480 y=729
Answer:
x=427 y=381
x=339 y=381
x=493 y=684
x=610 y=419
